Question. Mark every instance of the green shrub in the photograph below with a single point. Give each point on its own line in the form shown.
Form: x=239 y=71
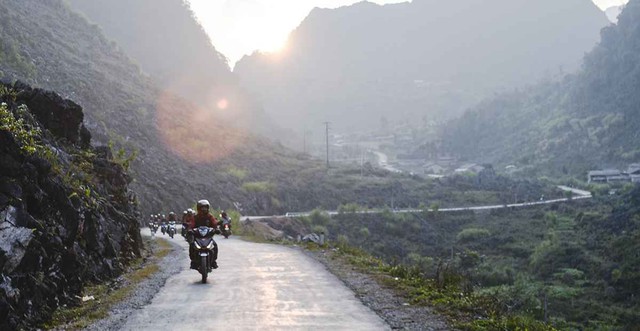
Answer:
x=319 y=229
x=319 y=217
x=257 y=187
x=343 y=241
x=237 y=173
x=364 y=232
x=26 y=135
x=472 y=234
x=349 y=208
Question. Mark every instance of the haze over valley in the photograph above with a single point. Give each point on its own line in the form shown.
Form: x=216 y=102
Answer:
x=423 y=165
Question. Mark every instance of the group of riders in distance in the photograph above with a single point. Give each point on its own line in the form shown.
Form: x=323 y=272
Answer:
x=198 y=228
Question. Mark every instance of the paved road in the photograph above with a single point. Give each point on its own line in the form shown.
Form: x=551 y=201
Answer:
x=257 y=287
x=383 y=161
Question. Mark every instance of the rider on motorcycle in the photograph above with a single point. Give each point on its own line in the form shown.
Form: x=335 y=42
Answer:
x=163 y=224
x=172 y=221
x=203 y=218
x=185 y=222
x=172 y=217
x=225 y=218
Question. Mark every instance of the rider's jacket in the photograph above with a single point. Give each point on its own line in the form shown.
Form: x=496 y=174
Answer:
x=203 y=220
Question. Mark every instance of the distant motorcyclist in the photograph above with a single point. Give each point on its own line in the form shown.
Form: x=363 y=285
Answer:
x=203 y=218
x=226 y=224
x=225 y=218
x=171 y=224
x=185 y=223
x=189 y=219
x=163 y=224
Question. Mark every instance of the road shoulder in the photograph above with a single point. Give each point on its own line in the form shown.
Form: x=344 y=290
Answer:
x=384 y=301
x=145 y=291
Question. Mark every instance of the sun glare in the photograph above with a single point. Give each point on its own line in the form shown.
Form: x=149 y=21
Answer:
x=222 y=104
x=195 y=133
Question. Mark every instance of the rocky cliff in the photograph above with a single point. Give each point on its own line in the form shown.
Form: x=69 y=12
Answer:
x=66 y=214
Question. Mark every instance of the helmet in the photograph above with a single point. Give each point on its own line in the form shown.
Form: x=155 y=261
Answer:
x=164 y=216
x=185 y=212
x=202 y=204
x=171 y=213
x=191 y=211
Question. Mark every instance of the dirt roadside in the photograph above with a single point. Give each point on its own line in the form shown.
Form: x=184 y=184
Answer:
x=386 y=302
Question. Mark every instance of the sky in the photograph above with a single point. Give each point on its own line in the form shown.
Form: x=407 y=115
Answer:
x=239 y=27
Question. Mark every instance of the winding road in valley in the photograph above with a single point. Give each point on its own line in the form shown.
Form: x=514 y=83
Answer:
x=578 y=195
x=257 y=287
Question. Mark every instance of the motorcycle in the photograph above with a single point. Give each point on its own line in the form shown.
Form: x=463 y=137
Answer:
x=163 y=229
x=171 y=230
x=226 y=230
x=153 y=227
x=184 y=230
x=203 y=245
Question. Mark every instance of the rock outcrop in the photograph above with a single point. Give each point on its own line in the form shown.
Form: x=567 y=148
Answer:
x=66 y=214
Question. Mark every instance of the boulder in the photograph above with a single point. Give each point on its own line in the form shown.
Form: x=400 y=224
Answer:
x=61 y=117
x=313 y=237
x=14 y=240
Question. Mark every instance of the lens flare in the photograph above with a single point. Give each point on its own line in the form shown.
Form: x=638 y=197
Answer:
x=222 y=104
x=195 y=134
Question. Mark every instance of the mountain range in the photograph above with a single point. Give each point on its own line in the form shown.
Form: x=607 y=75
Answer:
x=360 y=64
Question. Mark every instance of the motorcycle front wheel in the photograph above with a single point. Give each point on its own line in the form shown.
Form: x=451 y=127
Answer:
x=204 y=268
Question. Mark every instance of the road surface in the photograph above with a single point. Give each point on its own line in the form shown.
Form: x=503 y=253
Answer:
x=257 y=287
x=383 y=161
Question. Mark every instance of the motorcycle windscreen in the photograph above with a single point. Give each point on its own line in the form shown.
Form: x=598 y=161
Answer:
x=204 y=242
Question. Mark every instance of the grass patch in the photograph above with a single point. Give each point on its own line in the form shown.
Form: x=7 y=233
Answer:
x=464 y=309
x=109 y=294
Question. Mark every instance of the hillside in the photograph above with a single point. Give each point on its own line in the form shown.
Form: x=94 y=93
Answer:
x=585 y=121
x=171 y=47
x=48 y=45
x=356 y=65
x=574 y=265
x=166 y=41
x=67 y=216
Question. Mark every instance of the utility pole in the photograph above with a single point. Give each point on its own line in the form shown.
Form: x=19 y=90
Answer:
x=326 y=124
x=361 y=162
x=304 y=143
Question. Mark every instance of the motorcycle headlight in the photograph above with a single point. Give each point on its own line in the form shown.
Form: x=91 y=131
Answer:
x=195 y=243
x=210 y=246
